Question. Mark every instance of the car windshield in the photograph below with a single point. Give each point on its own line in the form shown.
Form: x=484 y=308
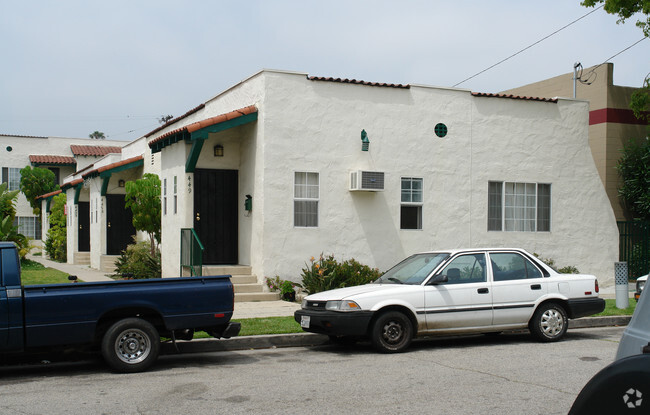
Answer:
x=413 y=270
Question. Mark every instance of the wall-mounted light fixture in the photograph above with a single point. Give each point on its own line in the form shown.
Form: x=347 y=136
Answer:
x=365 y=142
x=120 y=183
x=218 y=150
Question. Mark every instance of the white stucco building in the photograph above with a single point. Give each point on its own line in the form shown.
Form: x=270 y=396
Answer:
x=444 y=168
x=62 y=155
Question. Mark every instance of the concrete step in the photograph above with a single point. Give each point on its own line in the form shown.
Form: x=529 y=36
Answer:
x=245 y=297
x=82 y=258
x=244 y=279
x=226 y=270
x=248 y=288
x=107 y=263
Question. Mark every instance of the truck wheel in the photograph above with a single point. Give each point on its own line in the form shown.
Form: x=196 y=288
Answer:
x=549 y=323
x=392 y=332
x=131 y=345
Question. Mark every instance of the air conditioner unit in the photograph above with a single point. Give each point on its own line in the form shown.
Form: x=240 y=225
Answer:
x=368 y=181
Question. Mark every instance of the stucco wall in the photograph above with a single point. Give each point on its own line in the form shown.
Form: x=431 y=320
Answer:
x=315 y=126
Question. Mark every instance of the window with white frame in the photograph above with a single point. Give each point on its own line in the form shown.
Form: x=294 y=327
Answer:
x=29 y=226
x=11 y=176
x=164 y=202
x=411 y=203
x=306 y=193
x=519 y=207
x=175 y=195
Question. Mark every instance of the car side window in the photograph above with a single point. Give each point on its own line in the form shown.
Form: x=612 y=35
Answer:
x=465 y=269
x=507 y=266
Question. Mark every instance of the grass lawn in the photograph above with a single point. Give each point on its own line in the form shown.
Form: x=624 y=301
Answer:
x=34 y=273
x=260 y=326
x=611 y=310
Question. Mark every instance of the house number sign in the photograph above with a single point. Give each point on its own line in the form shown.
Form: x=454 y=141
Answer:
x=189 y=184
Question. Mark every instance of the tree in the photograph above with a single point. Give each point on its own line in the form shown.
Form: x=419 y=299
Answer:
x=635 y=174
x=9 y=231
x=56 y=239
x=143 y=198
x=626 y=9
x=98 y=135
x=640 y=102
x=36 y=182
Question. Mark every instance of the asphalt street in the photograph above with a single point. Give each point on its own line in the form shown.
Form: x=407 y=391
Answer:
x=506 y=374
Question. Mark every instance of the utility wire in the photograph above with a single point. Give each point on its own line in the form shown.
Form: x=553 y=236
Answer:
x=527 y=47
x=612 y=57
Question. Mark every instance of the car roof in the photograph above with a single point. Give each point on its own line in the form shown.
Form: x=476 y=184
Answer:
x=457 y=251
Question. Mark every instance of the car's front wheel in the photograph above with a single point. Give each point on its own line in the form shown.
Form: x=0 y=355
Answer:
x=392 y=332
x=549 y=323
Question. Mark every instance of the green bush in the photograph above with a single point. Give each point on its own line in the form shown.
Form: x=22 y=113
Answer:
x=569 y=269
x=136 y=262
x=56 y=238
x=327 y=273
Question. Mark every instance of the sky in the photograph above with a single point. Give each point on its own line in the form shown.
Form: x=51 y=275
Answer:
x=68 y=68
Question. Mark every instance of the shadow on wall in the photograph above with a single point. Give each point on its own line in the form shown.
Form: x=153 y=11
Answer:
x=378 y=227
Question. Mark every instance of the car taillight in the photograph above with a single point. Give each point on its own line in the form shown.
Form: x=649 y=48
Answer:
x=597 y=289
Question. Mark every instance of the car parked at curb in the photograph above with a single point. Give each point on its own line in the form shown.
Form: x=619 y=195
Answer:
x=640 y=283
x=458 y=291
x=624 y=385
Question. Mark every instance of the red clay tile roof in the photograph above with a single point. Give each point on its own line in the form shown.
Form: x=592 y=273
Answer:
x=46 y=195
x=208 y=122
x=112 y=166
x=488 y=95
x=170 y=122
x=78 y=150
x=38 y=159
x=71 y=184
x=358 y=82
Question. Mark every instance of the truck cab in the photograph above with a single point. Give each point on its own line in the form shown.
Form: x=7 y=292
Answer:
x=11 y=301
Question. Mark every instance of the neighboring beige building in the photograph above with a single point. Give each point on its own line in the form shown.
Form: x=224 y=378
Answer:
x=611 y=121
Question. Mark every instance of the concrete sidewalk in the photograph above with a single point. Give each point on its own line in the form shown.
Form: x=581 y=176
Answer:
x=83 y=272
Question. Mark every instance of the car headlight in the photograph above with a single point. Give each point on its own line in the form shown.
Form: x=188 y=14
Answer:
x=342 y=305
x=639 y=285
x=304 y=303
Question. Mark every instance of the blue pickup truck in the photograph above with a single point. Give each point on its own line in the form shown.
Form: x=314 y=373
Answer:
x=122 y=319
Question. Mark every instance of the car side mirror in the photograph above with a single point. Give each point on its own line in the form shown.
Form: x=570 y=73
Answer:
x=439 y=279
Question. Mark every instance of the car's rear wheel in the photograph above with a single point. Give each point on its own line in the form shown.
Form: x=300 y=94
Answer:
x=549 y=323
x=392 y=332
x=131 y=345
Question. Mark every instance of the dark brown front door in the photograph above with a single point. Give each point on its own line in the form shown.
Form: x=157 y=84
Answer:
x=84 y=227
x=215 y=214
x=119 y=225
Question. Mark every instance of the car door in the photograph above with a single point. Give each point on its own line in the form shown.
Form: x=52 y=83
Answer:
x=517 y=283
x=464 y=300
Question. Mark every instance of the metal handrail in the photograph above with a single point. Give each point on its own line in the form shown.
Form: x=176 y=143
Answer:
x=191 y=252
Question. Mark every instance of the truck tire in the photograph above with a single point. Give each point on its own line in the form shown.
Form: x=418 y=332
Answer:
x=549 y=323
x=392 y=332
x=131 y=345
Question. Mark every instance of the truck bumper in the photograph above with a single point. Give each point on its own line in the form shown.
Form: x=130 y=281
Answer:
x=232 y=329
x=585 y=307
x=354 y=323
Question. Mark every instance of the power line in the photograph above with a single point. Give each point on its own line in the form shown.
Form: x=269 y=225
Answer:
x=527 y=47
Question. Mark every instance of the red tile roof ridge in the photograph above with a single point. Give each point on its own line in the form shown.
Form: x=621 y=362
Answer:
x=113 y=165
x=22 y=136
x=208 y=122
x=172 y=121
x=46 y=195
x=93 y=150
x=357 y=82
x=511 y=96
x=51 y=159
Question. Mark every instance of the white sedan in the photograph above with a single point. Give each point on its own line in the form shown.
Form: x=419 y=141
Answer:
x=454 y=292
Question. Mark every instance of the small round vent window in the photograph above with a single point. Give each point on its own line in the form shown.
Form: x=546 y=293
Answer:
x=440 y=130
x=9 y=148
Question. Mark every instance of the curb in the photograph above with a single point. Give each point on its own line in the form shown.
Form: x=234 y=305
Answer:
x=310 y=339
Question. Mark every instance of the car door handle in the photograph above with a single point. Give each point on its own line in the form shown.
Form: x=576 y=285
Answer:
x=483 y=291
x=536 y=287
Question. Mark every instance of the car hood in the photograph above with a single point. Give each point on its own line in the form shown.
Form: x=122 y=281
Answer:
x=360 y=290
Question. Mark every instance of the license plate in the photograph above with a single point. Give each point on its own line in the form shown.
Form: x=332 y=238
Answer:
x=304 y=321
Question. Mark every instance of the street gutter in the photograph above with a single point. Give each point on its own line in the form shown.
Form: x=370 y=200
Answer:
x=273 y=341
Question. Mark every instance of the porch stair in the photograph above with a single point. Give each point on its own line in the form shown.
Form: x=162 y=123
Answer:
x=81 y=258
x=107 y=263
x=246 y=286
